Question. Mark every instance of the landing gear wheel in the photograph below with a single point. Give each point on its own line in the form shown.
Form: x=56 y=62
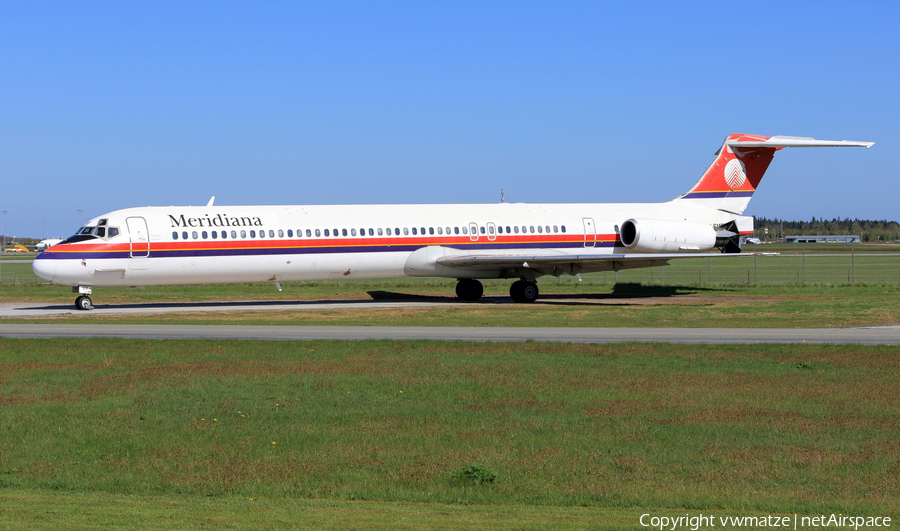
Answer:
x=83 y=303
x=469 y=290
x=522 y=291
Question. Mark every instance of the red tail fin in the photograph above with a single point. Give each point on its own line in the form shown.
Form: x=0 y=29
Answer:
x=729 y=182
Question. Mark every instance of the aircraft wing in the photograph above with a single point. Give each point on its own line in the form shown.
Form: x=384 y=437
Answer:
x=570 y=263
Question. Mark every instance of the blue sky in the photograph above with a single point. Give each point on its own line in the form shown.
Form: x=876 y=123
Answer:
x=109 y=105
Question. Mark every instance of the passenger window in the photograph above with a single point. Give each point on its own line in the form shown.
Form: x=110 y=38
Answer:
x=327 y=233
x=175 y=235
x=405 y=231
x=547 y=229
x=215 y=234
x=317 y=233
x=532 y=229
x=344 y=232
x=507 y=229
x=562 y=228
x=388 y=230
x=555 y=229
x=203 y=234
x=233 y=235
x=113 y=232
x=430 y=230
x=253 y=234
x=423 y=231
x=243 y=234
x=524 y=229
x=308 y=233
x=194 y=234
x=455 y=230
x=290 y=233
x=281 y=233
x=352 y=232
x=380 y=231
x=362 y=232
x=440 y=231
x=397 y=231
x=465 y=230
x=482 y=229
x=414 y=231
x=272 y=233
x=500 y=229
x=491 y=229
x=371 y=232
x=540 y=229
x=516 y=229
x=262 y=234
x=335 y=232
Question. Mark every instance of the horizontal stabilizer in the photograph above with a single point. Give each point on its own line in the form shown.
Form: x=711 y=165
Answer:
x=795 y=141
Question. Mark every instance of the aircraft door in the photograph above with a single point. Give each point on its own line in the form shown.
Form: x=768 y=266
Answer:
x=139 y=238
x=590 y=232
x=473 y=231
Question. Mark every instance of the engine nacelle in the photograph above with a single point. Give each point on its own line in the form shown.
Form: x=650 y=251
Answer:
x=667 y=236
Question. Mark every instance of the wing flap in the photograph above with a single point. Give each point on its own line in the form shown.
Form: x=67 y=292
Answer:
x=566 y=263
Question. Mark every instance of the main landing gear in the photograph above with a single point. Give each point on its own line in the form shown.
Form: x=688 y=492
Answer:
x=468 y=289
x=523 y=291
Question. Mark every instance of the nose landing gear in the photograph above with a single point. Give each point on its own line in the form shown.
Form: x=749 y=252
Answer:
x=84 y=303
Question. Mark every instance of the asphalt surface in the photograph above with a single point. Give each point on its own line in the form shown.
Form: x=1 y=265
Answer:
x=860 y=336
x=34 y=310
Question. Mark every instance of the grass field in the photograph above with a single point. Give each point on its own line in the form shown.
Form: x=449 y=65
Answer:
x=620 y=305
x=610 y=431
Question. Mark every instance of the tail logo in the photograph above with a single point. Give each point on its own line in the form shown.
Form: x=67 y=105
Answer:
x=735 y=174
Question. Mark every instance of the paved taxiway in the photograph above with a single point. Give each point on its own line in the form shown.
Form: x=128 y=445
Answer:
x=33 y=310
x=861 y=336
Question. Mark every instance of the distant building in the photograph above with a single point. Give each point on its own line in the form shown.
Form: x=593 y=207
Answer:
x=826 y=238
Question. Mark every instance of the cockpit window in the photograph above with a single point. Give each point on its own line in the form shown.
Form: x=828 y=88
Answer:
x=101 y=223
x=112 y=232
x=101 y=231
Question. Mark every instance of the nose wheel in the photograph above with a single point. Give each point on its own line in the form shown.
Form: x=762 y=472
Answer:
x=84 y=303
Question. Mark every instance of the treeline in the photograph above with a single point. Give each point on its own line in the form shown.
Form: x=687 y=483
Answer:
x=868 y=230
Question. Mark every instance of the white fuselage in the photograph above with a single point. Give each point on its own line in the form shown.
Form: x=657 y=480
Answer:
x=222 y=244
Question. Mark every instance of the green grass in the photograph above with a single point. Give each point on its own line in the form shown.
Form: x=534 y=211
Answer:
x=622 y=305
x=766 y=429
x=21 y=509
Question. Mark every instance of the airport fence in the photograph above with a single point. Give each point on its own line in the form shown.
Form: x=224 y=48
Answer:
x=786 y=268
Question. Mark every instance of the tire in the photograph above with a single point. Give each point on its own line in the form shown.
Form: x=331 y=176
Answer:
x=469 y=290
x=83 y=303
x=523 y=292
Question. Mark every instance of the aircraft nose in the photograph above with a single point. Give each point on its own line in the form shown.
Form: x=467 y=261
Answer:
x=44 y=268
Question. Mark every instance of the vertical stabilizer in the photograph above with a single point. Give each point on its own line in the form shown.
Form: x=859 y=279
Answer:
x=729 y=182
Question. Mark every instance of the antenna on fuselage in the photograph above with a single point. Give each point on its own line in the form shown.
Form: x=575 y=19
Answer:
x=211 y=200
x=501 y=196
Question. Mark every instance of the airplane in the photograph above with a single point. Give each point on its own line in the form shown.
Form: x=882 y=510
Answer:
x=172 y=245
x=43 y=245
